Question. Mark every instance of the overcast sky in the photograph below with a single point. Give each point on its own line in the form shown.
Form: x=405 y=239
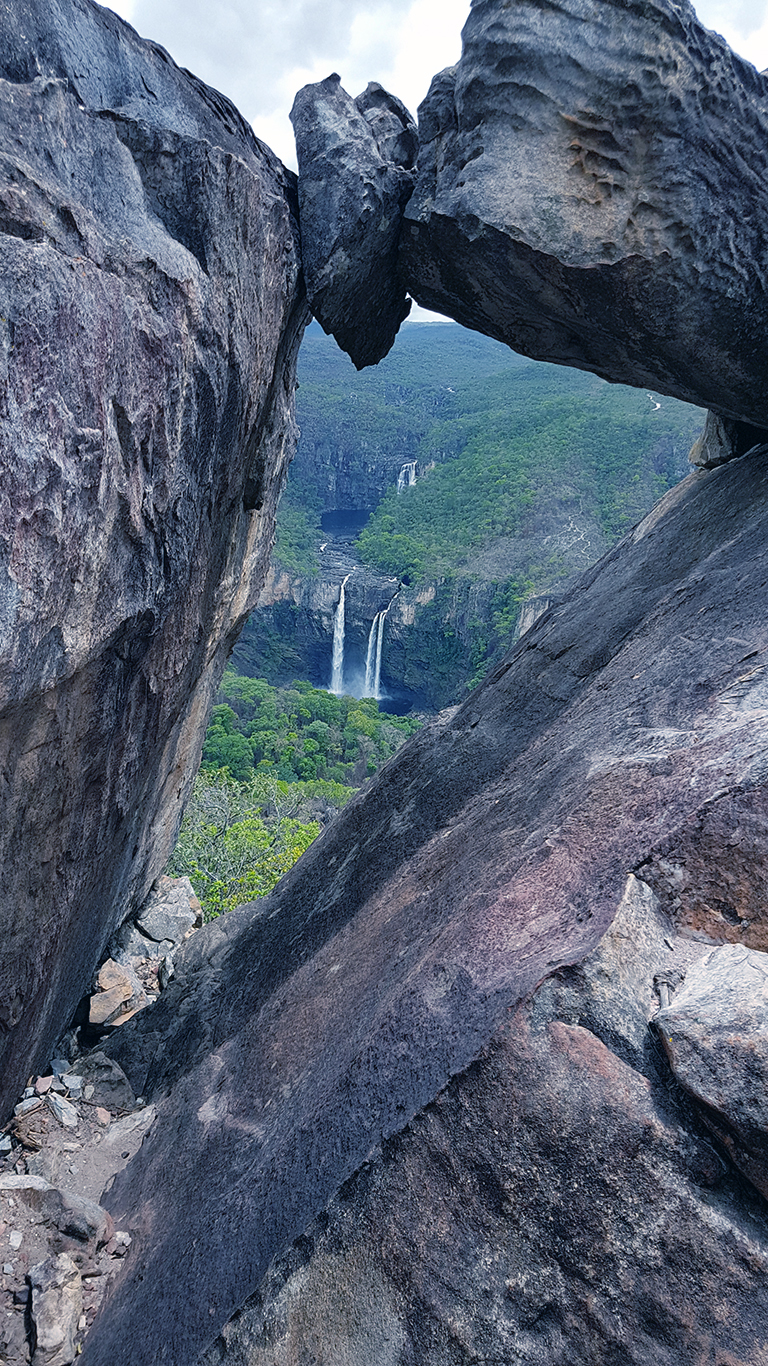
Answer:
x=260 y=52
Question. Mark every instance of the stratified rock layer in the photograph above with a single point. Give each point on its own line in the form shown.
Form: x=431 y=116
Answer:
x=593 y=189
x=150 y=311
x=355 y=178
x=491 y=852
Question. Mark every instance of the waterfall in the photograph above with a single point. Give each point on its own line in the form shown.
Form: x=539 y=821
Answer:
x=379 y=643
x=370 y=658
x=407 y=476
x=373 y=656
x=337 y=670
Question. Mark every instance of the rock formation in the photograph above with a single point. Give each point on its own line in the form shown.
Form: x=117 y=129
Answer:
x=591 y=189
x=151 y=311
x=355 y=178
x=348 y=1038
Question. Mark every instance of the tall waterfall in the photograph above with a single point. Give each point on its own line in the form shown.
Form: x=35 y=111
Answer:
x=337 y=670
x=373 y=656
x=407 y=476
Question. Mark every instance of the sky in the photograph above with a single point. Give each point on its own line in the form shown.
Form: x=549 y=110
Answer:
x=260 y=52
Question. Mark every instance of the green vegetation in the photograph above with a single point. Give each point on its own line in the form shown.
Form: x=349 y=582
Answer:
x=277 y=765
x=299 y=733
x=237 y=839
x=512 y=441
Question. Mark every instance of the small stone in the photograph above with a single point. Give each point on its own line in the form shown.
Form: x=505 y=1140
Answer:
x=71 y=1079
x=28 y=1092
x=25 y=1107
x=82 y=1323
x=7 y=1268
x=103 y=1116
x=65 y=1113
x=43 y=1084
x=88 y=1092
x=6 y=1145
x=59 y=1066
x=15 y=1238
x=58 y=1086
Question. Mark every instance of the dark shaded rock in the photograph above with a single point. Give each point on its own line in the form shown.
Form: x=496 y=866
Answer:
x=592 y=190
x=544 y=1209
x=354 y=181
x=150 y=311
x=715 y=1032
x=111 y=1087
x=492 y=851
x=722 y=440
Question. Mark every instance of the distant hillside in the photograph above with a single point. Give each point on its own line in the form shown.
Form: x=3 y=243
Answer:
x=525 y=474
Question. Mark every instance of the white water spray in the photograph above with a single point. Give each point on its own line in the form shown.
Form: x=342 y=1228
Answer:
x=407 y=476
x=337 y=669
x=373 y=656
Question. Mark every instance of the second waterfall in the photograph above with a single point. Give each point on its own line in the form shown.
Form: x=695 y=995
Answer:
x=373 y=657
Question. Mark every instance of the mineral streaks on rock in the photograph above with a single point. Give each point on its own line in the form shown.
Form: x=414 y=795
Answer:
x=492 y=850
x=150 y=310
x=715 y=1032
x=543 y=1209
x=355 y=177
x=592 y=190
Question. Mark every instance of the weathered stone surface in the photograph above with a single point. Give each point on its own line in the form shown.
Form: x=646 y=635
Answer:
x=592 y=189
x=715 y=1032
x=355 y=159
x=169 y=911
x=547 y=1208
x=150 y=310
x=119 y=994
x=491 y=851
x=57 y=1303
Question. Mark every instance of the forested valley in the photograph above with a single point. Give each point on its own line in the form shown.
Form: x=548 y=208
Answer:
x=452 y=489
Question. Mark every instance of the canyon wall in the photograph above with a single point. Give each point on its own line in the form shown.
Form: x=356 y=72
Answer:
x=150 y=317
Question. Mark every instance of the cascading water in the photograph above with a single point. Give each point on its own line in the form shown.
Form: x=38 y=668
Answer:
x=373 y=656
x=337 y=668
x=407 y=476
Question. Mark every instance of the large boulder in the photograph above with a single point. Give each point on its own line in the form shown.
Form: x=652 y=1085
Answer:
x=150 y=312
x=305 y=1046
x=593 y=189
x=355 y=178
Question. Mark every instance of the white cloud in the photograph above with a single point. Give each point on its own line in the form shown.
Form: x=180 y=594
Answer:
x=260 y=52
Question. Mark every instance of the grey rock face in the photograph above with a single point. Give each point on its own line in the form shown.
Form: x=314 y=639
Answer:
x=491 y=852
x=715 y=1032
x=150 y=311
x=354 y=181
x=592 y=190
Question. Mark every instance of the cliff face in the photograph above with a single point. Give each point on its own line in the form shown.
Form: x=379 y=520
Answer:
x=150 y=317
